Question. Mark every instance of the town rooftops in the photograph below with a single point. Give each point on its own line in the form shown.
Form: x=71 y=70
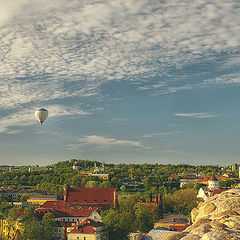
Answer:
x=90 y=195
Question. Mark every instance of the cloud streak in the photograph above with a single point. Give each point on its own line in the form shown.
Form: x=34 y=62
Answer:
x=104 y=142
x=196 y=115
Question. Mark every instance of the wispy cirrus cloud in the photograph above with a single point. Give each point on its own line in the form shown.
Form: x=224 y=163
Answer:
x=196 y=115
x=104 y=142
x=161 y=134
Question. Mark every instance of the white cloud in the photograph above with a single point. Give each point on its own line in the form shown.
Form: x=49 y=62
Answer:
x=196 y=115
x=104 y=142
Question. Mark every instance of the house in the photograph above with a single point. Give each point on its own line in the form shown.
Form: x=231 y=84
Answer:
x=88 y=230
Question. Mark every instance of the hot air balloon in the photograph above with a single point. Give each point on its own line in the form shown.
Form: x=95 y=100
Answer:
x=41 y=115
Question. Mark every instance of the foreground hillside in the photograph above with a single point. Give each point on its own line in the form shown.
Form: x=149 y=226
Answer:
x=218 y=218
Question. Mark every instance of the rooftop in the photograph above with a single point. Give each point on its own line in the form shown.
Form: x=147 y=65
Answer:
x=91 y=195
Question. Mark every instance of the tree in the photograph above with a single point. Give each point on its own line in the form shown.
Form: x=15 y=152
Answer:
x=92 y=184
x=32 y=230
x=24 y=197
x=181 y=201
x=49 y=226
x=123 y=188
x=144 y=217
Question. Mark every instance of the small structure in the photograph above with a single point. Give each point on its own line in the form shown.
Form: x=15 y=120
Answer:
x=173 y=223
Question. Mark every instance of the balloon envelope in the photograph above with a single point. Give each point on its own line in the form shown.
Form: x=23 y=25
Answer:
x=41 y=115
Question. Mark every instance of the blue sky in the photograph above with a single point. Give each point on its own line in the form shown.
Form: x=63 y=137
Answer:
x=124 y=81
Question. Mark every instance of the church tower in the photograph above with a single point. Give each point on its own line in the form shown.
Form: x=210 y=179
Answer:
x=212 y=183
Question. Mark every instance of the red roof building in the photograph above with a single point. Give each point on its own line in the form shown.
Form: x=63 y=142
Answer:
x=100 y=198
x=79 y=204
x=203 y=180
x=88 y=229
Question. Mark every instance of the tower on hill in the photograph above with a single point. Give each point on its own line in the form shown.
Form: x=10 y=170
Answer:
x=76 y=166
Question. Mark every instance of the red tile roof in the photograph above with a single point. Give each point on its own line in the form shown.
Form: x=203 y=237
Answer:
x=91 y=195
x=217 y=191
x=87 y=227
x=54 y=204
x=39 y=213
x=73 y=212
x=84 y=230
